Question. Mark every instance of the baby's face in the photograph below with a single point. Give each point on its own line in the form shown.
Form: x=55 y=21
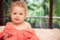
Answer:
x=18 y=14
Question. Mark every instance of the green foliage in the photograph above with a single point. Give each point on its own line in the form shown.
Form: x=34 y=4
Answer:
x=6 y=6
x=56 y=10
x=35 y=8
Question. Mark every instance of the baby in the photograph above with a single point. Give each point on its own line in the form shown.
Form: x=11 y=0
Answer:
x=18 y=29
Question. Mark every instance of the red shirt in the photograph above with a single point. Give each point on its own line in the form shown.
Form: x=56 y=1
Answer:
x=15 y=34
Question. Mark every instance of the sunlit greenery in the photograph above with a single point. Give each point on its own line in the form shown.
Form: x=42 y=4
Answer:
x=37 y=8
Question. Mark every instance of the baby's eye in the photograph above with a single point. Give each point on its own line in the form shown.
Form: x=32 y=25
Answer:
x=14 y=13
x=20 y=14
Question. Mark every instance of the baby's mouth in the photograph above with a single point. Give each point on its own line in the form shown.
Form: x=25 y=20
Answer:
x=17 y=19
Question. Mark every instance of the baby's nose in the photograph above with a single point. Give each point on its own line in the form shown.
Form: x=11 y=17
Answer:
x=17 y=16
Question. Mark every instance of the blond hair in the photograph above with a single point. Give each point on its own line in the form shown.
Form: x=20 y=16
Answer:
x=19 y=4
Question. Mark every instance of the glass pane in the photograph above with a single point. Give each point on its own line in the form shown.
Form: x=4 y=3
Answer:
x=56 y=14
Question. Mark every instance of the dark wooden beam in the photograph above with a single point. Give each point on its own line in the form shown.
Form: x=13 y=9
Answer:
x=51 y=14
x=1 y=12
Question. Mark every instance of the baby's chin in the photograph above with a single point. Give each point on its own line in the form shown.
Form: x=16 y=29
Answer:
x=17 y=22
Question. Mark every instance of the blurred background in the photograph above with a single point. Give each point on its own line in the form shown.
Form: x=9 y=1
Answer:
x=37 y=14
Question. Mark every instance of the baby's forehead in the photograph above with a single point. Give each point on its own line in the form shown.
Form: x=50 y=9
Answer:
x=18 y=8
